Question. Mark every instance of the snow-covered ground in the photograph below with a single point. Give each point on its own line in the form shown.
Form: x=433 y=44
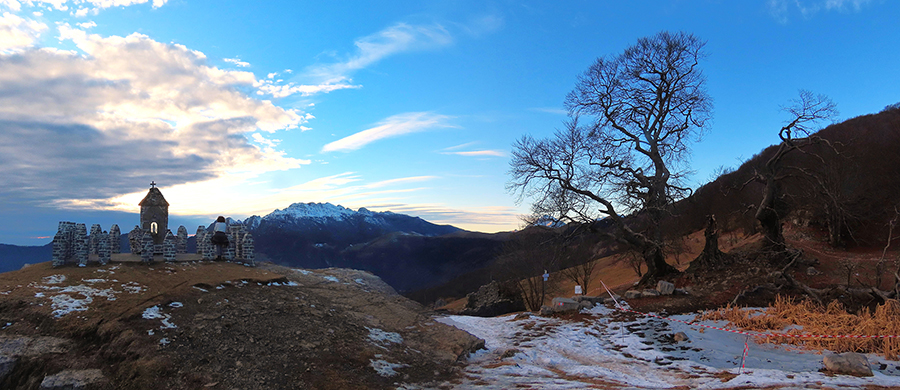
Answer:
x=605 y=350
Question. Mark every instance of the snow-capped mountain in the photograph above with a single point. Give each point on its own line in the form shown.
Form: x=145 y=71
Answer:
x=318 y=217
x=548 y=221
x=407 y=252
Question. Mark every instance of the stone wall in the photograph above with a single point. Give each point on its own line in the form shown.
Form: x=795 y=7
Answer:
x=147 y=248
x=72 y=244
x=169 y=247
x=94 y=239
x=135 y=240
x=181 y=240
x=114 y=234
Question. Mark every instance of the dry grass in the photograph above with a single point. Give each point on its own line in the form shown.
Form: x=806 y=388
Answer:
x=818 y=320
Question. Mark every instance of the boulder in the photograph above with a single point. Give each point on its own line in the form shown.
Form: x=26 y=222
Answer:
x=546 y=310
x=679 y=337
x=586 y=304
x=493 y=299
x=561 y=304
x=812 y=271
x=72 y=380
x=680 y=291
x=665 y=288
x=7 y=364
x=631 y=294
x=649 y=293
x=587 y=298
x=849 y=363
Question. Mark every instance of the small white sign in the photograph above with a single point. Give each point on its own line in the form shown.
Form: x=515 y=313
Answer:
x=578 y=290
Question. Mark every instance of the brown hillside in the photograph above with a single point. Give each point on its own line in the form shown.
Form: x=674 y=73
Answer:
x=219 y=325
x=862 y=171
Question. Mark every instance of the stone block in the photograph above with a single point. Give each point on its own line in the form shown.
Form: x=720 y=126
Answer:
x=81 y=244
x=136 y=240
x=665 y=288
x=114 y=234
x=181 y=240
x=7 y=364
x=248 y=251
x=631 y=294
x=546 y=310
x=72 y=379
x=849 y=363
x=103 y=244
x=169 y=247
x=649 y=293
x=560 y=304
x=148 y=248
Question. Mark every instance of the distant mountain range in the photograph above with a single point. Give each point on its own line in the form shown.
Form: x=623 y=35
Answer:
x=13 y=257
x=407 y=252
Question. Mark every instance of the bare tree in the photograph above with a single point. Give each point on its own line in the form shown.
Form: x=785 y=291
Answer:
x=525 y=258
x=647 y=105
x=805 y=111
x=577 y=257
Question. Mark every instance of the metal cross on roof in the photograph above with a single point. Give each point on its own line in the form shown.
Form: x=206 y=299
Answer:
x=152 y=184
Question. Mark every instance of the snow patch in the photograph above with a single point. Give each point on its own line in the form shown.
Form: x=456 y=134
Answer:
x=54 y=279
x=383 y=337
x=561 y=354
x=385 y=368
x=331 y=278
x=153 y=313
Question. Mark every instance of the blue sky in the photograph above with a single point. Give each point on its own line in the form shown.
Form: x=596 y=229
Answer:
x=239 y=108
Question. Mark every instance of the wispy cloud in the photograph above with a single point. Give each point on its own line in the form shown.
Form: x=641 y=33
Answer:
x=476 y=218
x=237 y=62
x=781 y=9
x=455 y=150
x=550 y=110
x=479 y=153
x=393 y=126
x=399 y=38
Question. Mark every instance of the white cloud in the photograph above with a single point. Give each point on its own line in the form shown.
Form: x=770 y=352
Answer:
x=370 y=49
x=17 y=33
x=479 y=153
x=124 y=110
x=780 y=9
x=550 y=110
x=87 y=25
x=13 y=5
x=81 y=12
x=393 y=126
x=280 y=91
x=237 y=62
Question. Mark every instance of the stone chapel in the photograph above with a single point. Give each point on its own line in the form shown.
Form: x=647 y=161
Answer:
x=155 y=214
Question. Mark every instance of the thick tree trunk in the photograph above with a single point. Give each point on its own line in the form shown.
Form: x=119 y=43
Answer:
x=835 y=227
x=711 y=257
x=768 y=217
x=657 y=267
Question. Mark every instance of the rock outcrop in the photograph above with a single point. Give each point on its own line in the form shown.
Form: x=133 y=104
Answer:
x=493 y=299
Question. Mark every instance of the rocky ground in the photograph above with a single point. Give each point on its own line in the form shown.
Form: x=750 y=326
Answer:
x=218 y=326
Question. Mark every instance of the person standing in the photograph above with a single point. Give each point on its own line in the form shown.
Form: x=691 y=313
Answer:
x=220 y=238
